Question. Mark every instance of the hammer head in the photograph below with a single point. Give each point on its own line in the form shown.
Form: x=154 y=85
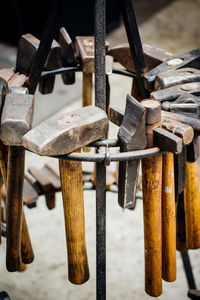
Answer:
x=68 y=132
x=131 y=136
x=186 y=104
x=132 y=130
x=174 y=77
x=17 y=117
x=189 y=59
x=172 y=93
x=3 y=91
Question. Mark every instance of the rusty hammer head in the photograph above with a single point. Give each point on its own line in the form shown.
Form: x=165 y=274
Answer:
x=68 y=132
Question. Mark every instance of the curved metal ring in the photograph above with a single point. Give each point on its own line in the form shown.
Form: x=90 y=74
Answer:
x=123 y=156
x=105 y=143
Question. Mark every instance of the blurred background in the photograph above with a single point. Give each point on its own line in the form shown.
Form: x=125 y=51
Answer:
x=169 y=24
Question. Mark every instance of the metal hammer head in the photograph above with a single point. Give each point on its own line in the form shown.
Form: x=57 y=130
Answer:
x=16 y=117
x=131 y=136
x=174 y=77
x=132 y=130
x=186 y=104
x=172 y=93
x=68 y=132
x=3 y=92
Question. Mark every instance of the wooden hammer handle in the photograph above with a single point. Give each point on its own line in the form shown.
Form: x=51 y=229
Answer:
x=87 y=89
x=17 y=184
x=192 y=206
x=72 y=192
x=152 y=183
x=26 y=247
x=14 y=207
x=168 y=219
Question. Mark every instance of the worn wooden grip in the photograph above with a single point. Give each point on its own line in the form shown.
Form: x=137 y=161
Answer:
x=152 y=182
x=26 y=247
x=72 y=191
x=192 y=206
x=87 y=89
x=87 y=95
x=14 y=207
x=168 y=219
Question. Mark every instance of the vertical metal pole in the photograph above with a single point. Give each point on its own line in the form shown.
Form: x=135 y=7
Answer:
x=100 y=36
x=100 y=231
x=100 y=101
x=48 y=35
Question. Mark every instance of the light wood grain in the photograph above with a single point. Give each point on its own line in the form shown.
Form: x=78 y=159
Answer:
x=72 y=191
x=151 y=182
x=192 y=206
x=168 y=219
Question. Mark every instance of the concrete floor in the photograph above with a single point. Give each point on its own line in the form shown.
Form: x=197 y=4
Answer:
x=175 y=28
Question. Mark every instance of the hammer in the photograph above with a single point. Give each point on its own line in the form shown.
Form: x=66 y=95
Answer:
x=84 y=46
x=28 y=46
x=184 y=60
x=153 y=56
x=181 y=101
x=166 y=141
x=186 y=133
x=85 y=51
x=131 y=136
x=16 y=120
x=192 y=197
x=152 y=186
x=58 y=136
x=68 y=56
x=152 y=205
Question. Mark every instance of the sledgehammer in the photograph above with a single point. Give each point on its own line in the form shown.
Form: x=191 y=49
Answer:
x=58 y=136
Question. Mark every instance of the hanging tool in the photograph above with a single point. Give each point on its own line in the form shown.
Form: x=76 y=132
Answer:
x=28 y=47
x=131 y=136
x=189 y=59
x=153 y=56
x=69 y=132
x=16 y=120
x=152 y=186
x=68 y=56
x=130 y=23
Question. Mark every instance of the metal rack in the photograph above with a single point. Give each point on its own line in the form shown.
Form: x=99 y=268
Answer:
x=101 y=160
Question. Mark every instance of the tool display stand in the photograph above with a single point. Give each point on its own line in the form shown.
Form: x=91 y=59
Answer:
x=102 y=156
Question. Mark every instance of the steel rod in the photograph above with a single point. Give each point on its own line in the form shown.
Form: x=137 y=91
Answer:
x=101 y=231
x=123 y=156
x=48 y=35
x=100 y=101
x=124 y=73
x=100 y=53
x=134 y=40
x=47 y=74
x=188 y=270
x=3 y=230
